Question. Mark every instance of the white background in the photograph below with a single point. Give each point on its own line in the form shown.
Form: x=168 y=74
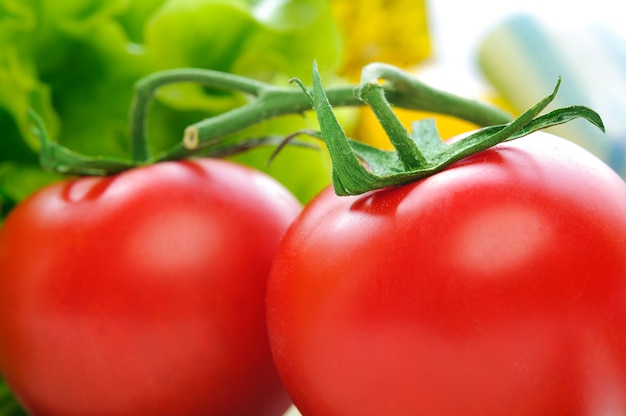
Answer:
x=457 y=26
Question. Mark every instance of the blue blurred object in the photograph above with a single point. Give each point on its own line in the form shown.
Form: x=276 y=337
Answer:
x=523 y=58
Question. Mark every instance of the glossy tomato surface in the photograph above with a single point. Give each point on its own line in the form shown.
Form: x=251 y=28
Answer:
x=496 y=287
x=144 y=293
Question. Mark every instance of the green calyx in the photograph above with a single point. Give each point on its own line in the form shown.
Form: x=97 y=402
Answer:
x=418 y=154
x=422 y=152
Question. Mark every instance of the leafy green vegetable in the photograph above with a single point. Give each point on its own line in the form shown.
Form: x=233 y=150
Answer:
x=75 y=63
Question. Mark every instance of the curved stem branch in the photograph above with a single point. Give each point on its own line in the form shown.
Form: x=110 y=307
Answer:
x=390 y=168
x=404 y=90
x=146 y=88
x=269 y=101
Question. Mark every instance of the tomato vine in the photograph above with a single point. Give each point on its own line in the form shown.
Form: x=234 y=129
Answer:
x=357 y=167
x=209 y=137
x=421 y=153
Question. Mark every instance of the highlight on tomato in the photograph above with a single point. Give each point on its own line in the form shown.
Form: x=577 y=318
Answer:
x=484 y=276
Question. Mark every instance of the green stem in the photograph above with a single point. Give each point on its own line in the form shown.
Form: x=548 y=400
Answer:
x=267 y=101
x=404 y=90
x=145 y=90
x=382 y=168
x=372 y=93
x=271 y=101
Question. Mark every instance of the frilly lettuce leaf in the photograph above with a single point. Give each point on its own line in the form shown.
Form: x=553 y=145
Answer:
x=93 y=90
x=269 y=40
x=70 y=62
x=133 y=19
x=75 y=63
x=20 y=87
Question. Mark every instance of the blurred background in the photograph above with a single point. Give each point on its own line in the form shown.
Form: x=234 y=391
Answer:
x=517 y=50
x=75 y=62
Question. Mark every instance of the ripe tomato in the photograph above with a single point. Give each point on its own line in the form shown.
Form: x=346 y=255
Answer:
x=144 y=293
x=495 y=287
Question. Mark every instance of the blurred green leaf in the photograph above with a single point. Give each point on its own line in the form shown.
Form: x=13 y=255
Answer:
x=297 y=32
x=93 y=92
x=242 y=38
x=75 y=63
x=12 y=147
x=17 y=181
x=8 y=404
x=134 y=18
x=20 y=88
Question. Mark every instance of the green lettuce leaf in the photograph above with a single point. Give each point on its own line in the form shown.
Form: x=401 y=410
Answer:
x=75 y=63
x=268 y=40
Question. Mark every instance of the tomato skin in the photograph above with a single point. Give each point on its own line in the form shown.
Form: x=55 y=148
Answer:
x=496 y=287
x=144 y=293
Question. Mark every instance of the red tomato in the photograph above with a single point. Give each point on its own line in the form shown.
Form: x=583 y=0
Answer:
x=496 y=287
x=144 y=293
